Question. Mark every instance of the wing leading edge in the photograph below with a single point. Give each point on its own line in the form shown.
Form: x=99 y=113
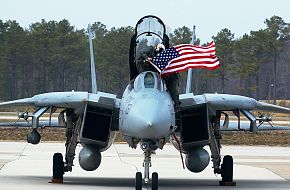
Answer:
x=227 y=102
x=73 y=100
x=78 y=101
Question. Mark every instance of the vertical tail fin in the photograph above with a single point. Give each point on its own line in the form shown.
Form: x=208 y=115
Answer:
x=93 y=70
x=189 y=72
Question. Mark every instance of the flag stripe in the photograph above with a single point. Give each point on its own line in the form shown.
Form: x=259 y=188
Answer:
x=186 y=68
x=190 y=65
x=194 y=52
x=211 y=66
x=194 y=47
x=201 y=61
x=191 y=57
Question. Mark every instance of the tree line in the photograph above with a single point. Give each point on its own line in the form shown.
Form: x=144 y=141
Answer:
x=54 y=56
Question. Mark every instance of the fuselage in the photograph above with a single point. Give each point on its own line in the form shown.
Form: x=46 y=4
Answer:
x=146 y=109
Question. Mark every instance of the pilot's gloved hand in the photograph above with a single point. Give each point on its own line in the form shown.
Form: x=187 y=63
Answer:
x=148 y=59
x=159 y=48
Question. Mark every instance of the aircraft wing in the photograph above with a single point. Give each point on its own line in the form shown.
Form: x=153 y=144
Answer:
x=200 y=108
x=79 y=101
x=65 y=100
x=227 y=102
x=20 y=124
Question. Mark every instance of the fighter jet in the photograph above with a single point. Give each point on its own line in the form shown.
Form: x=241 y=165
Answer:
x=144 y=115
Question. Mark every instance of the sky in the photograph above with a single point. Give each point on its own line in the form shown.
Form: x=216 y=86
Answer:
x=209 y=16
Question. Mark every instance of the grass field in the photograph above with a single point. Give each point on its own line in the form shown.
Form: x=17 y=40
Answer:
x=273 y=138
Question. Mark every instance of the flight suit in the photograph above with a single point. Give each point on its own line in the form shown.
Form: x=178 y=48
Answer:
x=141 y=63
x=172 y=81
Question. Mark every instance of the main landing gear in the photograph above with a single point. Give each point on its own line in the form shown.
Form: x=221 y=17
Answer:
x=227 y=172
x=73 y=124
x=58 y=168
x=226 y=168
x=148 y=149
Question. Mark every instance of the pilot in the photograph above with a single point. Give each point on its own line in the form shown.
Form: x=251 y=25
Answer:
x=144 y=58
x=172 y=82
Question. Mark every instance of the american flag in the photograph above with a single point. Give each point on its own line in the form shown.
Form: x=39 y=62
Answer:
x=182 y=57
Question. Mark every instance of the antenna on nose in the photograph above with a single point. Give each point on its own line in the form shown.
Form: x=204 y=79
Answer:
x=150 y=124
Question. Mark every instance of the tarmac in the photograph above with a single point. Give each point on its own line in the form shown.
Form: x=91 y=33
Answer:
x=28 y=167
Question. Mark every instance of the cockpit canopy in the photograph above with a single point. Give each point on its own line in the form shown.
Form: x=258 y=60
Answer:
x=149 y=32
x=150 y=24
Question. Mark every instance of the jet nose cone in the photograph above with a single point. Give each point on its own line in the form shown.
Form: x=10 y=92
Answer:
x=143 y=116
x=151 y=118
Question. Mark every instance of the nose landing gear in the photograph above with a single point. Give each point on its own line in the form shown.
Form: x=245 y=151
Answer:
x=138 y=181
x=154 y=182
x=148 y=149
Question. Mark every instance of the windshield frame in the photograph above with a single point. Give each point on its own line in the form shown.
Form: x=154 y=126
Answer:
x=162 y=26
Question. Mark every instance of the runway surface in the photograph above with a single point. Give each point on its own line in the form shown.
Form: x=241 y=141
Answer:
x=24 y=166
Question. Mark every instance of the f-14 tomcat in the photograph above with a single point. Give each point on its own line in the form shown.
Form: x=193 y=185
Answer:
x=145 y=115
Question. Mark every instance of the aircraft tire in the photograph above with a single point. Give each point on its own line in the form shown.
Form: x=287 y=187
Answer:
x=138 y=181
x=154 y=182
x=227 y=169
x=58 y=166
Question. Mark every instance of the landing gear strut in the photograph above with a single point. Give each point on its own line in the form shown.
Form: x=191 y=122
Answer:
x=147 y=165
x=226 y=168
x=73 y=123
x=148 y=148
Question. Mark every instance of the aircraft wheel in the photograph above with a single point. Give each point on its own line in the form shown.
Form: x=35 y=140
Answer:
x=154 y=182
x=227 y=169
x=138 y=181
x=58 y=166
